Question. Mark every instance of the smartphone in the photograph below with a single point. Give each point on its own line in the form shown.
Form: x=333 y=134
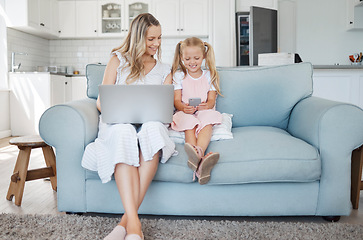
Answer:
x=194 y=101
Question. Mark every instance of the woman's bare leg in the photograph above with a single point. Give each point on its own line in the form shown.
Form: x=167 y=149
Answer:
x=128 y=184
x=146 y=173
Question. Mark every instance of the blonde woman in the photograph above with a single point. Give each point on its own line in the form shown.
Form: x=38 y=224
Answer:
x=191 y=82
x=132 y=152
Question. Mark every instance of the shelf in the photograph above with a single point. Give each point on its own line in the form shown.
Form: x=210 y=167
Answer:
x=110 y=18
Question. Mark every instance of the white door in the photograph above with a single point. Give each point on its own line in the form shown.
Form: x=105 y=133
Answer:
x=45 y=15
x=67 y=19
x=33 y=13
x=167 y=12
x=194 y=17
x=134 y=8
x=86 y=18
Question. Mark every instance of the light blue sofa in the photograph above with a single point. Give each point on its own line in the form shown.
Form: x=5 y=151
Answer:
x=291 y=153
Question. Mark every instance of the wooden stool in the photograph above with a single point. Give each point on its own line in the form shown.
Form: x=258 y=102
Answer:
x=357 y=183
x=21 y=172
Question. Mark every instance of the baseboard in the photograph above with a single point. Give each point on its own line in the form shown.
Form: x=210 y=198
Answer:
x=4 y=134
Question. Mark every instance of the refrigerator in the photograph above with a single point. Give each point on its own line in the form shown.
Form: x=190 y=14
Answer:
x=256 y=33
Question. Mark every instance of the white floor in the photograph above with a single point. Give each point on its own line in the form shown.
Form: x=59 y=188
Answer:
x=39 y=198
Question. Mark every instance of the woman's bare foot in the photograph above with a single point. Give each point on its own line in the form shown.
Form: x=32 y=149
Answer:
x=134 y=226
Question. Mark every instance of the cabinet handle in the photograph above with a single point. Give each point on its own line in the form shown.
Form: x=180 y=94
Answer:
x=42 y=24
x=178 y=29
x=181 y=29
x=66 y=83
x=59 y=31
x=95 y=30
x=350 y=22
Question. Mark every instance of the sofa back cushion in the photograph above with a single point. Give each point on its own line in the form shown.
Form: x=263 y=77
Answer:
x=94 y=75
x=263 y=96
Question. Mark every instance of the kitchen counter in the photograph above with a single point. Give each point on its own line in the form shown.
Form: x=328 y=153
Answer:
x=338 y=67
x=59 y=74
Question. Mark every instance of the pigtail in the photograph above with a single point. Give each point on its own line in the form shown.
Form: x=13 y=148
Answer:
x=177 y=62
x=211 y=65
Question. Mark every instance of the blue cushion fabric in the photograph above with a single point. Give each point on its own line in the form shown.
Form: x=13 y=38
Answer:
x=263 y=96
x=94 y=74
x=256 y=154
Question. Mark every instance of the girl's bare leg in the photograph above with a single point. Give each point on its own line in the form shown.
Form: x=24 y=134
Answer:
x=190 y=136
x=204 y=137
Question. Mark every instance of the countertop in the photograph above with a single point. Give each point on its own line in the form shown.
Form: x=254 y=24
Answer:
x=60 y=74
x=338 y=67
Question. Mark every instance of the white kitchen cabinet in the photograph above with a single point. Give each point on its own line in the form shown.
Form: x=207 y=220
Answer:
x=32 y=16
x=115 y=17
x=67 y=19
x=78 y=19
x=354 y=14
x=86 y=19
x=244 y=5
x=55 y=17
x=182 y=17
x=344 y=85
x=33 y=93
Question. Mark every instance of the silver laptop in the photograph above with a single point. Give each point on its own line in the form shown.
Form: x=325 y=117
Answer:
x=136 y=103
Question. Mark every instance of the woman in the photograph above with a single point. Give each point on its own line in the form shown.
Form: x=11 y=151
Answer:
x=128 y=151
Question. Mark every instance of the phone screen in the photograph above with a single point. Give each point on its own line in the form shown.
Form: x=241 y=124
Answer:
x=194 y=101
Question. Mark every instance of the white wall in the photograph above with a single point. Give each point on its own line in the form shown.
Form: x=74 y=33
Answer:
x=4 y=93
x=321 y=35
x=3 y=47
x=36 y=47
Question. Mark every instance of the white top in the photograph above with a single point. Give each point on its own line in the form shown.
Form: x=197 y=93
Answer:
x=179 y=77
x=156 y=76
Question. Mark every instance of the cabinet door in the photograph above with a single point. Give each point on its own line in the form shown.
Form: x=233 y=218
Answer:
x=33 y=13
x=57 y=89
x=54 y=27
x=134 y=8
x=45 y=15
x=79 y=88
x=86 y=18
x=111 y=18
x=67 y=19
x=193 y=17
x=167 y=12
x=244 y=5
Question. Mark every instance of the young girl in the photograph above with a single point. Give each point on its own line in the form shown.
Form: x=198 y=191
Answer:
x=190 y=81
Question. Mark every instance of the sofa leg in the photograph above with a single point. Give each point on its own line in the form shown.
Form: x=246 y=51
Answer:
x=331 y=218
x=75 y=213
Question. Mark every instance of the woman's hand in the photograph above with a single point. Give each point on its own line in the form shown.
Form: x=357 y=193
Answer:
x=189 y=109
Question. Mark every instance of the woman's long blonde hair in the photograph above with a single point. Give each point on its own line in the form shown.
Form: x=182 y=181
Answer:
x=208 y=55
x=134 y=45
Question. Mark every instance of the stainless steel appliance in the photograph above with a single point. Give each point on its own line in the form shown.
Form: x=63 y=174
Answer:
x=256 y=33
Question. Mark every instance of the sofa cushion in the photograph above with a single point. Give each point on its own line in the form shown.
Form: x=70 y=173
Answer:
x=263 y=96
x=264 y=154
x=94 y=74
x=256 y=154
x=174 y=170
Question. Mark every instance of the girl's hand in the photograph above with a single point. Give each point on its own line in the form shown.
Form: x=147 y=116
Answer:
x=202 y=106
x=189 y=109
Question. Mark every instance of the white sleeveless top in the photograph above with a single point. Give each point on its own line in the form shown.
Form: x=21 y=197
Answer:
x=156 y=76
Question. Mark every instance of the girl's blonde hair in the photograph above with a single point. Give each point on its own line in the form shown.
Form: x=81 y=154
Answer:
x=134 y=45
x=208 y=55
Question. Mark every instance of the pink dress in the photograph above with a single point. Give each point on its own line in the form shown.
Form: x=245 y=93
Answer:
x=194 y=88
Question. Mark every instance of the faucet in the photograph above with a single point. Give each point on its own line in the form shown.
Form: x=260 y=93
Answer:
x=13 y=66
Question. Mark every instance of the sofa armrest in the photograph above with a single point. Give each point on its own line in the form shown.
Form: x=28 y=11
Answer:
x=69 y=128
x=335 y=129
